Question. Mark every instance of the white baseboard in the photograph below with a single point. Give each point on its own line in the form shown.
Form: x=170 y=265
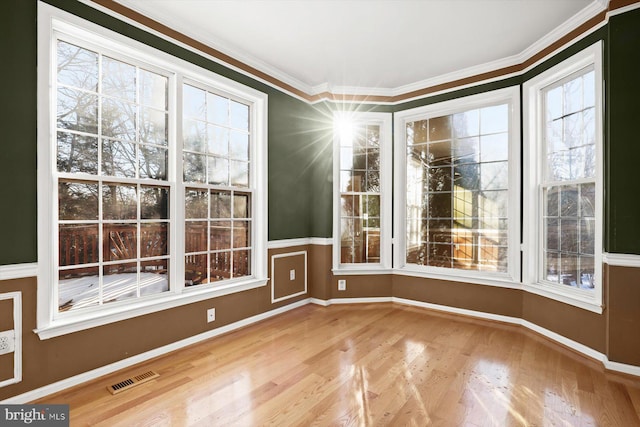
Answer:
x=125 y=363
x=366 y=300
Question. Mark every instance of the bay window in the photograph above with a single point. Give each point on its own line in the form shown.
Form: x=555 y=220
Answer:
x=563 y=212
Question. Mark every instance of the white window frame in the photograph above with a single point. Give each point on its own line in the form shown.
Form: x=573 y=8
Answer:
x=53 y=24
x=384 y=120
x=510 y=279
x=533 y=177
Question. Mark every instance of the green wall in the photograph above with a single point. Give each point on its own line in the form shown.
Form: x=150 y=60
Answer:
x=623 y=150
x=18 y=124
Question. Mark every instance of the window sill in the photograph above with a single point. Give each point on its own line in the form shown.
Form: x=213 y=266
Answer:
x=80 y=322
x=568 y=296
x=355 y=271
x=479 y=278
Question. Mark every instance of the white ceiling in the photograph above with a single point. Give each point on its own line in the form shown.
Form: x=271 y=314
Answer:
x=358 y=45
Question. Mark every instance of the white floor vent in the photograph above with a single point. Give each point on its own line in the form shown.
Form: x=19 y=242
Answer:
x=132 y=382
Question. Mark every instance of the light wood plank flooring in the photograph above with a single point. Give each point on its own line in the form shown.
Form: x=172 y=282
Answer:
x=362 y=365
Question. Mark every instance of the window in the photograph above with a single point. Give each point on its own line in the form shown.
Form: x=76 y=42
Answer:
x=362 y=185
x=565 y=181
x=218 y=198
x=112 y=190
x=152 y=168
x=457 y=199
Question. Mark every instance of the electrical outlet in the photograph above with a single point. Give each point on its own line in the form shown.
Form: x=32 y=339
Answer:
x=211 y=315
x=292 y=275
x=7 y=342
x=342 y=285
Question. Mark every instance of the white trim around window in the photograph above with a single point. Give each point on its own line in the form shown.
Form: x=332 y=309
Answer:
x=537 y=178
x=53 y=25
x=402 y=233
x=367 y=256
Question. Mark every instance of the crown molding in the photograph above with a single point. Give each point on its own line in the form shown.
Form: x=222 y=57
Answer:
x=563 y=30
x=221 y=46
x=592 y=16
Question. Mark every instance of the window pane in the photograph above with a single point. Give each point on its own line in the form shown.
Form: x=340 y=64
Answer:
x=241 y=234
x=78 y=288
x=119 y=282
x=78 y=244
x=220 y=266
x=119 y=119
x=118 y=158
x=239 y=172
x=494 y=147
x=220 y=204
x=77 y=200
x=154 y=276
x=417 y=132
x=569 y=270
x=196 y=270
x=572 y=96
x=440 y=128
x=239 y=116
x=439 y=178
x=77 y=110
x=196 y=204
x=153 y=126
x=494 y=119
x=154 y=202
x=240 y=205
x=217 y=109
x=194 y=134
x=77 y=67
x=154 y=239
x=153 y=89
x=218 y=171
x=494 y=176
x=119 y=201
x=120 y=241
x=239 y=145
x=220 y=232
x=118 y=79
x=77 y=153
x=466 y=123
x=569 y=201
x=587 y=200
x=194 y=104
x=241 y=263
x=194 y=168
x=195 y=236
x=153 y=162
x=587 y=272
x=218 y=140
x=466 y=150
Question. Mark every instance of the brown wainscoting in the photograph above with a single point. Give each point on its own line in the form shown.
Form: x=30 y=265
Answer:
x=575 y=323
x=468 y=296
x=282 y=286
x=6 y=314
x=623 y=313
x=6 y=324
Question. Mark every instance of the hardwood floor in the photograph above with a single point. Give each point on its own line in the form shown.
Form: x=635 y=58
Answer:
x=361 y=365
